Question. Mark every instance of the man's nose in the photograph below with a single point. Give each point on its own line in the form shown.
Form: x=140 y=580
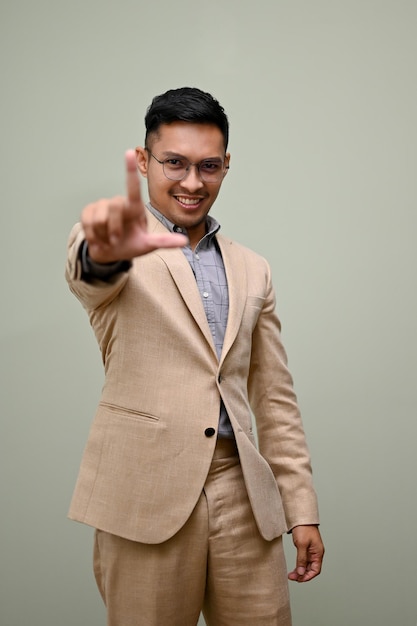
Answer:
x=192 y=179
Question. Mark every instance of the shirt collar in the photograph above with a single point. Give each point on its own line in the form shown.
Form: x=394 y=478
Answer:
x=212 y=225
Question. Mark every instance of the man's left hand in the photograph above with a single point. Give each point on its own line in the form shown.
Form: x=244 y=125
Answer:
x=310 y=551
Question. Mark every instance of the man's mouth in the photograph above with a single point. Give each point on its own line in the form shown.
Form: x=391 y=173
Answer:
x=188 y=201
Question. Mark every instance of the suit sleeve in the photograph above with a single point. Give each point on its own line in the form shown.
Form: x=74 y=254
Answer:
x=280 y=431
x=95 y=292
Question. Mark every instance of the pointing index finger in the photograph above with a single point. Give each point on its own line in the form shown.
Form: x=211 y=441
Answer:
x=132 y=178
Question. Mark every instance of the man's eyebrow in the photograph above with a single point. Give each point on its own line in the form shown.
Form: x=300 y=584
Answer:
x=169 y=155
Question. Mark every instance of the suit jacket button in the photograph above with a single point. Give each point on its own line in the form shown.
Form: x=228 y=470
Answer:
x=209 y=432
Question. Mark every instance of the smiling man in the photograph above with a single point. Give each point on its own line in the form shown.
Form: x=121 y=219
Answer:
x=189 y=510
x=183 y=190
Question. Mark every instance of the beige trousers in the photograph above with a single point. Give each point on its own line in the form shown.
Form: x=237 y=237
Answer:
x=217 y=563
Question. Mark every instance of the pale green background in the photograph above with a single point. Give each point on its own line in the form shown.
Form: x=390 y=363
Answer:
x=322 y=99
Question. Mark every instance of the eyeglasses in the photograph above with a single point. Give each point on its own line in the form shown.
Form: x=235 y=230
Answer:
x=177 y=168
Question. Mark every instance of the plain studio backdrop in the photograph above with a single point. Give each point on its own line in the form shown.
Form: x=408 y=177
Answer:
x=322 y=100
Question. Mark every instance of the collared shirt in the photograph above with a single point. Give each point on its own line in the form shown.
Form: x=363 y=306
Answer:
x=207 y=264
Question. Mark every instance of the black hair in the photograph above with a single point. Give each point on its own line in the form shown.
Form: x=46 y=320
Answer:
x=186 y=104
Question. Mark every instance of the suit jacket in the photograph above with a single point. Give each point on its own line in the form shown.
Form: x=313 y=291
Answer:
x=148 y=454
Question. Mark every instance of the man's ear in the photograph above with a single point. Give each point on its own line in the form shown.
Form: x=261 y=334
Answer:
x=227 y=157
x=142 y=158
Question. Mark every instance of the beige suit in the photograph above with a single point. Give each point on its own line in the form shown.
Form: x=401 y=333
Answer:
x=148 y=453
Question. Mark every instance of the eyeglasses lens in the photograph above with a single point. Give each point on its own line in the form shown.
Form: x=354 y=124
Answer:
x=210 y=170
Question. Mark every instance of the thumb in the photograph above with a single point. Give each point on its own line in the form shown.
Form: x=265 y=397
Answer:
x=302 y=560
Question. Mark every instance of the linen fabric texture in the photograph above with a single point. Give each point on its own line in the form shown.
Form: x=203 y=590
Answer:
x=148 y=455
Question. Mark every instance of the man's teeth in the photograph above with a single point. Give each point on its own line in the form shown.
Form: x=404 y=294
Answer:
x=188 y=200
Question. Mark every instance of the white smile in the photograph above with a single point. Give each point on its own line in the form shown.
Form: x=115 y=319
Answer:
x=188 y=201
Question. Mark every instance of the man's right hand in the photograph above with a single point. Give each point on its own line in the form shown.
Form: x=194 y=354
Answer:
x=116 y=228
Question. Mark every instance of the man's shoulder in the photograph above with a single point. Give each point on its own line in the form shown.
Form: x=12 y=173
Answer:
x=248 y=253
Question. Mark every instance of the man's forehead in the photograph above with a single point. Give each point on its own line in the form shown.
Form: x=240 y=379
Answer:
x=179 y=137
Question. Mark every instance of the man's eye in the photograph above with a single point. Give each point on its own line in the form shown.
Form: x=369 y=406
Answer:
x=211 y=166
x=175 y=163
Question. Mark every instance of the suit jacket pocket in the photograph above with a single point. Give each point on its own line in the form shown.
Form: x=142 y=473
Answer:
x=122 y=411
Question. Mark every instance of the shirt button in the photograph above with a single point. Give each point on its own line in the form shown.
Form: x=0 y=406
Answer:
x=177 y=229
x=197 y=256
x=209 y=432
x=205 y=294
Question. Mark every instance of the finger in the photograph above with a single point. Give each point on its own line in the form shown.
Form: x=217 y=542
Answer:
x=132 y=179
x=94 y=221
x=311 y=572
x=117 y=208
x=301 y=565
x=87 y=221
x=107 y=219
x=302 y=560
x=153 y=241
x=315 y=565
x=293 y=575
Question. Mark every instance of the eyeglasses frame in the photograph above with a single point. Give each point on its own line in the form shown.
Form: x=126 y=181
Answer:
x=190 y=164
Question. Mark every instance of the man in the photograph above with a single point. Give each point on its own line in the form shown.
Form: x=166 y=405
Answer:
x=188 y=513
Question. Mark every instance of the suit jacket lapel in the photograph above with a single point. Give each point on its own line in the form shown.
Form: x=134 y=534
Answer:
x=184 y=279
x=234 y=264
